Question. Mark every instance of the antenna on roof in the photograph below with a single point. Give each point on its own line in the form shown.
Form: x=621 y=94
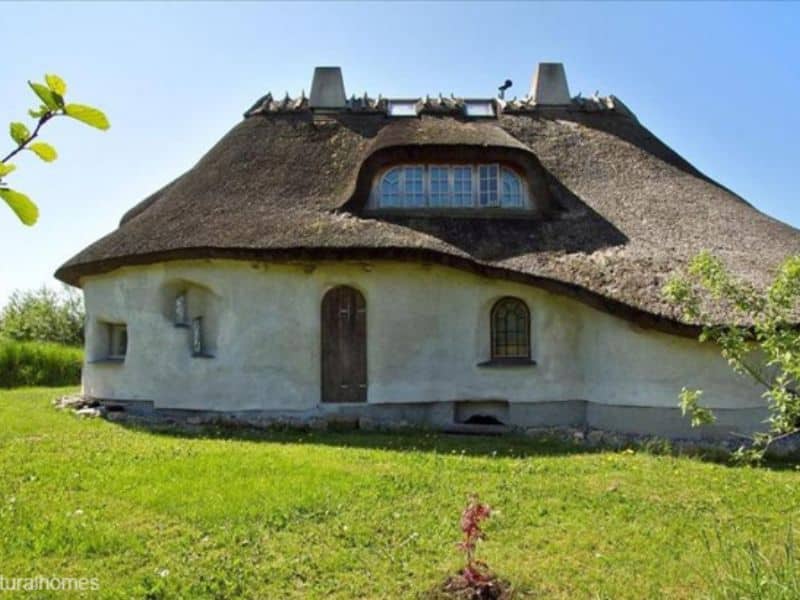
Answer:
x=504 y=87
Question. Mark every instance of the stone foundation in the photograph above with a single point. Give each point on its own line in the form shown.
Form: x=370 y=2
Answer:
x=632 y=421
x=562 y=422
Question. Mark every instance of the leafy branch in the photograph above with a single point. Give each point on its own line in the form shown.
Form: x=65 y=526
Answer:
x=52 y=105
x=762 y=342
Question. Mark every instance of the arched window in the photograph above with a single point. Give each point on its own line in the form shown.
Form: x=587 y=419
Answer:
x=511 y=326
x=480 y=186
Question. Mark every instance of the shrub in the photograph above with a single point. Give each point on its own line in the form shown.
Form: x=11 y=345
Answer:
x=39 y=363
x=44 y=315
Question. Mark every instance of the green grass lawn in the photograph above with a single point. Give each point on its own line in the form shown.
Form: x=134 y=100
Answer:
x=345 y=515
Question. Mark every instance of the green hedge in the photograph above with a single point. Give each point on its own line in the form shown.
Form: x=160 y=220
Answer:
x=39 y=363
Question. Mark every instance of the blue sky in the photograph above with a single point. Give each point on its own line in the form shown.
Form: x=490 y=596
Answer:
x=719 y=82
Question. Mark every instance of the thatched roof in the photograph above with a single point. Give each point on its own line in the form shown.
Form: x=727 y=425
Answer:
x=623 y=210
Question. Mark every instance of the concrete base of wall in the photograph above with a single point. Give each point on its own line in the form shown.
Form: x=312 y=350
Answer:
x=654 y=421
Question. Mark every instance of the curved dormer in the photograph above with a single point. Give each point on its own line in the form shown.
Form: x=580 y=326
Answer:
x=434 y=166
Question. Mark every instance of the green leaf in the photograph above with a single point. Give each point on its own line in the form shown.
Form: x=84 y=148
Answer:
x=56 y=84
x=87 y=114
x=51 y=100
x=19 y=133
x=21 y=205
x=6 y=168
x=44 y=151
x=37 y=114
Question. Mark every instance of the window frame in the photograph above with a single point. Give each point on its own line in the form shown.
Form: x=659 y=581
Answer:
x=493 y=205
x=405 y=196
x=497 y=177
x=495 y=358
x=429 y=187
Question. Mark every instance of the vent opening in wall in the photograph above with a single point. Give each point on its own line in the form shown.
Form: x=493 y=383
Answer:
x=483 y=420
x=481 y=412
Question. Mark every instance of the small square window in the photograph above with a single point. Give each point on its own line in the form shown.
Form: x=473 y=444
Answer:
x=117 y=340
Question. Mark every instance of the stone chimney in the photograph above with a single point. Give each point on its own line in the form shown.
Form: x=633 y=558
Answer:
x=549 y=85
x=327 y=89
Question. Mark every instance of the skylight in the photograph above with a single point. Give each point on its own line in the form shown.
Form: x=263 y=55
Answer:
x=479 y=108
x=403 y=108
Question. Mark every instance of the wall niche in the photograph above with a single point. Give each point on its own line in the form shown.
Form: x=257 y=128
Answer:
x=194 y=308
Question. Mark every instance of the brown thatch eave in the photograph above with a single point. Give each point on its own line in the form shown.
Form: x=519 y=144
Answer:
x=630 y=211
x=73 y=274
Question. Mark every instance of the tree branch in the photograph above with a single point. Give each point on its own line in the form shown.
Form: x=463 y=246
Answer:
x=42 y=120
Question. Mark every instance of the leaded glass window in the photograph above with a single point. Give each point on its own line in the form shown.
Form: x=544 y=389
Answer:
x=510 y=329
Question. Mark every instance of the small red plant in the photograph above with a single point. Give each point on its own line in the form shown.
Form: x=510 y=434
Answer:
x=476 y=572
x=475 y=581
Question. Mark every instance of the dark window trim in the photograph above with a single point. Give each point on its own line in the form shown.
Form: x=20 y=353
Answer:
x=505 y=359
x=107 y=361
x=507 y=362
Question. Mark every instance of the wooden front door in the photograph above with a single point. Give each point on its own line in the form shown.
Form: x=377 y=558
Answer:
x=344 y=346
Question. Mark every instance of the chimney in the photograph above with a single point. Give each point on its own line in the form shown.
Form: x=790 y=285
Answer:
x=549 y=85
x=327 y=89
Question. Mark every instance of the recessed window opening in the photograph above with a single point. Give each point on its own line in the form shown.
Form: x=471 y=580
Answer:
x=117 y=341
x=450 y=186
x=181 y=310
x=198 y=349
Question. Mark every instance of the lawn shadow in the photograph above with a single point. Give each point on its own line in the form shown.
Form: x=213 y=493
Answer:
x=510 y=445
x=407 y=440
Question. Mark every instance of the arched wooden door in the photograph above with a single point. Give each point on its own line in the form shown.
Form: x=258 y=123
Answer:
x=344 y=346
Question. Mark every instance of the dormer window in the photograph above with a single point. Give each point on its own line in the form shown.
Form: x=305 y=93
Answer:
x=450 y=186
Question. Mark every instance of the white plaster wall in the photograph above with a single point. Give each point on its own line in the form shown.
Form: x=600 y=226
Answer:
x=427 y=329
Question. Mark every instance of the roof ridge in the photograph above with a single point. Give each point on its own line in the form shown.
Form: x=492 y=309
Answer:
x=268 y=104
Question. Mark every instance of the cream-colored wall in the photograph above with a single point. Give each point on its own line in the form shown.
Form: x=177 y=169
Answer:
x=427 y=329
